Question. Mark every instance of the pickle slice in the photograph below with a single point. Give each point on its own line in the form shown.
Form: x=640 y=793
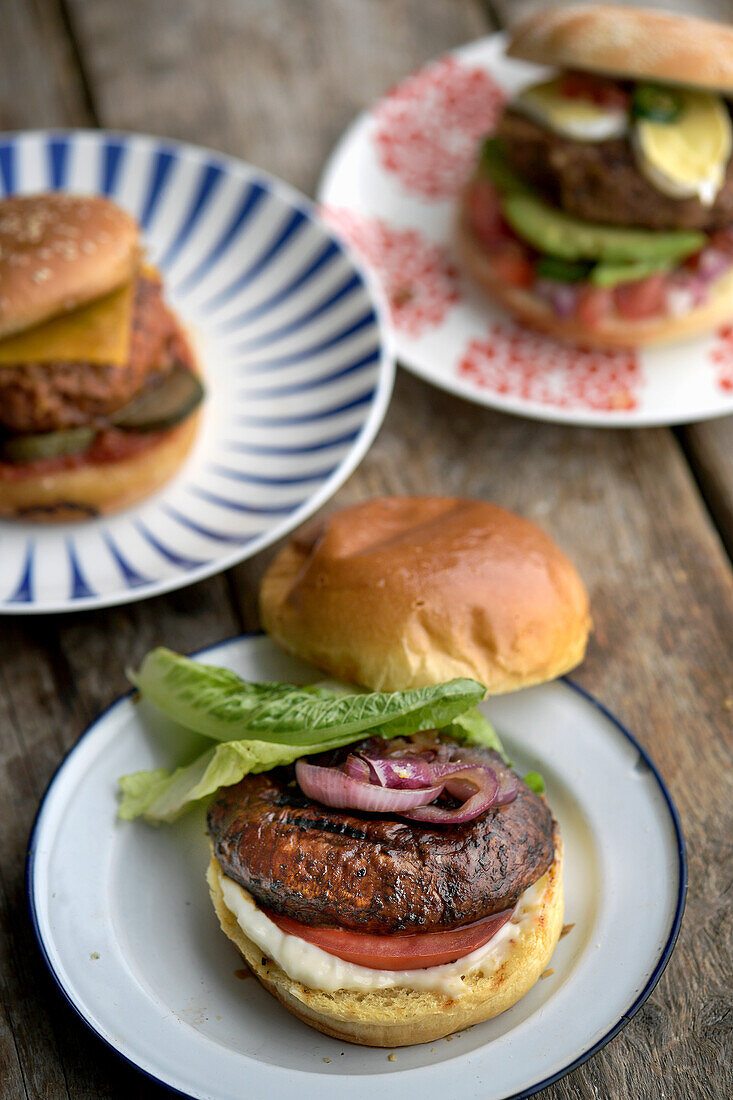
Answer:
x=28 y=448
x=164 y=402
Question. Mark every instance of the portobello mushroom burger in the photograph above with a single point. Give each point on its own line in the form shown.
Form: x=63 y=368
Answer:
x=381 y=867
x=98 y=388
x=601 y=209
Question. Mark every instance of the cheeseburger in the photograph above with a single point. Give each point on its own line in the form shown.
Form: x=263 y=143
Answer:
x=601 y=210
x=392 y=891
x=98 y=389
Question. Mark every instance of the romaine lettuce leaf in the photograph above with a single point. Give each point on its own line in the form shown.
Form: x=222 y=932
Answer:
x=473 y=728
x=262 y=726
x=218 y=704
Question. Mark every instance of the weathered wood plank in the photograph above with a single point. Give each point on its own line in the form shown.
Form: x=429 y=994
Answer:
x=39 y=82
x=273 y=83
x=709 y=449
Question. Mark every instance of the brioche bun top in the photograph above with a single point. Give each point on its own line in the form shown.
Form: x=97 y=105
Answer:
x=403 y=592
x=59 y=251
x=633 y=43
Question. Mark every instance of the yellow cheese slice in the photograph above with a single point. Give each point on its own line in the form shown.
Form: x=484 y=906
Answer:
x=95 y=333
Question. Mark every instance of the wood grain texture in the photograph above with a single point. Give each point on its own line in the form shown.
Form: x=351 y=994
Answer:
x=709 y=449
x=275 y=83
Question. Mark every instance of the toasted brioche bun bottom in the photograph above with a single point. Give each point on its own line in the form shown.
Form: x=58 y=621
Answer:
x=91 y=490
x=404 y=1017
x=614 y=332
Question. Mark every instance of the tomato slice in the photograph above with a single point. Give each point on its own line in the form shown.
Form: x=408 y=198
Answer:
x=484 y=212
x=594 y=305
x=411 y=952
x=641 y=298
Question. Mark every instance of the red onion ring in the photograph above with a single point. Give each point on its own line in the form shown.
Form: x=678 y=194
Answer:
x=485 y=784
x=406 y=785
x=401 y=772
x=333 y=787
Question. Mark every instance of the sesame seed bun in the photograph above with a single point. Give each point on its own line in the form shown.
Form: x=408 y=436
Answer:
x=629 y=42
x=404 y=592
x=399 y=1017
x=91 y=490
x=613 y=332
x=59 y=251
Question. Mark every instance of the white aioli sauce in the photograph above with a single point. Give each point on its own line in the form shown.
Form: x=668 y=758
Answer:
x=317 y=969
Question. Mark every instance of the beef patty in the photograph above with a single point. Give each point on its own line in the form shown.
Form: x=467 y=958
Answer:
x=372 y=873
x=44 y=397
x=600 y=180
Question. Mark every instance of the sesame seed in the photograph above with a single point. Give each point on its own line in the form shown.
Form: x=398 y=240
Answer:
x=42 y=275
x=89 y=247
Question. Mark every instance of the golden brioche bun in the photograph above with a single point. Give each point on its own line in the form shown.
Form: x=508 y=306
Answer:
x=629 y=42
x=91 y=490
x=403 y=1017
x=404 y=592
x=58 y=251
x=613 y=332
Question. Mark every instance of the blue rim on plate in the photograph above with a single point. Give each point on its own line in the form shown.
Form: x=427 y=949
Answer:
x=289 y=331
x=531 y=1091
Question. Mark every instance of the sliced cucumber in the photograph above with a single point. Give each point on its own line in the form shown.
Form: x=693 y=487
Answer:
x=164 y=402
x=614 y=274
x=655 y=102
x=28 y=448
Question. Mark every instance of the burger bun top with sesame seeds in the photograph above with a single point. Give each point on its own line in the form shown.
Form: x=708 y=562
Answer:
x=58 y=252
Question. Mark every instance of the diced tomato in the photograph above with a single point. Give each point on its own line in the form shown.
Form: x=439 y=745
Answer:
x=598 y=89
x=412 y=952
x=511 y=262
x=594 y=305
x=484 y=212
x=642 y=298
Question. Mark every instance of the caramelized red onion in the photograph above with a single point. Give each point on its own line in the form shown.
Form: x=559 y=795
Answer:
x=408 y=785
x=477 y=784
x=334 y=787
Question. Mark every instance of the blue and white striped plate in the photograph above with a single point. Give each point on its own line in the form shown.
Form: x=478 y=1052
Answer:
x=287 y=329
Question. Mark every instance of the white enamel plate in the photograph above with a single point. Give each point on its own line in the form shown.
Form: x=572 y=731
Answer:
x=286 y=326
x=391 y=188
x=122 y=914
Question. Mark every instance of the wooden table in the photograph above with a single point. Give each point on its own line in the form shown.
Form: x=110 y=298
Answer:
x=645 y=514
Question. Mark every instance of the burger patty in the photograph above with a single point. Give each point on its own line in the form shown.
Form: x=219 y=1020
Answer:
x=44 y=397
x=600 y=180
x=372 y=873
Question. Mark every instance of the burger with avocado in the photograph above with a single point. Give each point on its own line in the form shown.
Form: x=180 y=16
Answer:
x=376 y=860
x=601 y=210
x=98 y=387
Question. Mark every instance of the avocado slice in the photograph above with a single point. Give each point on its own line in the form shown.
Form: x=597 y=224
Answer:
x=163 y=403
x=613 y=274
x=552 y=231
x=29 y=448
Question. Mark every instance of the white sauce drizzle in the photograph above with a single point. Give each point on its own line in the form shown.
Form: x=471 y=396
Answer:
x=317 y=969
